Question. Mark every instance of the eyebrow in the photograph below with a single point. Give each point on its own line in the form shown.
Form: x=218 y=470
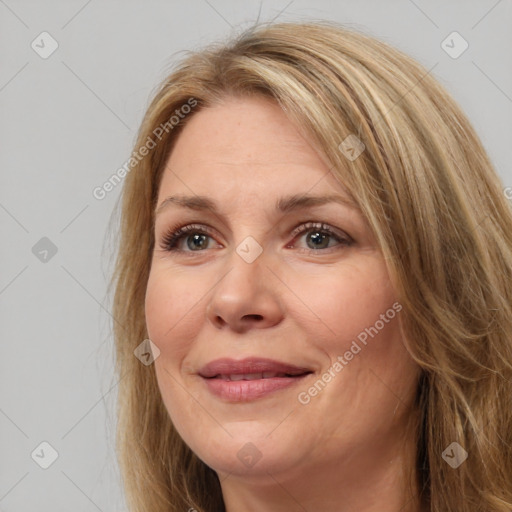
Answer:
x=284 y=204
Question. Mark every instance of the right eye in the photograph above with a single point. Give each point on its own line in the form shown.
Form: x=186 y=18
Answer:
x=195 y=235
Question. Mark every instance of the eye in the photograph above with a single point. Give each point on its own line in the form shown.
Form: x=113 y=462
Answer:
x=195 y=235
x=318 y=237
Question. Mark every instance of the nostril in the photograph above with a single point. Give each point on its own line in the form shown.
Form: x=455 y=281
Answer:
x=255 y=317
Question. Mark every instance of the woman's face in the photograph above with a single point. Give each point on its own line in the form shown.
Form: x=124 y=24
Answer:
x=293 y=297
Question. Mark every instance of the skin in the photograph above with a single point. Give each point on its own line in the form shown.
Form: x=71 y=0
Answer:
x=344 y=449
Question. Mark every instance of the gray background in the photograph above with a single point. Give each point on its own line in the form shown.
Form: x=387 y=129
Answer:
x=67 y=123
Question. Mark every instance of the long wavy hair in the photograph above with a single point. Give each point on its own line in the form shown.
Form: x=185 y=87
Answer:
x=437 y=207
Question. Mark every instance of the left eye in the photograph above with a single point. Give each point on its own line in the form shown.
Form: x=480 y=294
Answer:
x=320 y=235
x=317 y=234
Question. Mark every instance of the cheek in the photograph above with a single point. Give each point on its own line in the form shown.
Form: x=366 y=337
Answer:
x=173 y=323
x=343 y=306
x=172 y=309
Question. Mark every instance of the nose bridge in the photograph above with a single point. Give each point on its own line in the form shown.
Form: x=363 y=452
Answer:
x=247 y=268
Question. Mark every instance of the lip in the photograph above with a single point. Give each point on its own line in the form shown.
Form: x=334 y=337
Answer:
x=228 y=366
x=247 y=390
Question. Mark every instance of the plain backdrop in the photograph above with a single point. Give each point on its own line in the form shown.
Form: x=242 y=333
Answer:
x=68 y=121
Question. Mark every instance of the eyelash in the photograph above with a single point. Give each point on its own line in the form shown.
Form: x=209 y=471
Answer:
x=175 y=234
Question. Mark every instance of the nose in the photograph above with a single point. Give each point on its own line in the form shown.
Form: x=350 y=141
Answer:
x=245 y=297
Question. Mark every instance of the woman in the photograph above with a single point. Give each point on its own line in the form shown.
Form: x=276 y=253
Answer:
x=320 y=251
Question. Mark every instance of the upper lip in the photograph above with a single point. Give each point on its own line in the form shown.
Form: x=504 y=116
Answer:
x=228 y=366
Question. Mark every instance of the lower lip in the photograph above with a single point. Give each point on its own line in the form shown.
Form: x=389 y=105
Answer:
x=247 y=390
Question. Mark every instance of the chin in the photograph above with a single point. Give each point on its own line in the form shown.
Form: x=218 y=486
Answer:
x=250 y=450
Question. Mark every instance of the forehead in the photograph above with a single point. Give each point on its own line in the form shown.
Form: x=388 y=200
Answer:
x=242 y=145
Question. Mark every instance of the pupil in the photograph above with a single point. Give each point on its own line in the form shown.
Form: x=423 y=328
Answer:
x=199 y=239
x=318 y=237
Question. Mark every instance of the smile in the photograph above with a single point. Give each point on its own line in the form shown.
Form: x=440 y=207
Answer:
x=249 y=379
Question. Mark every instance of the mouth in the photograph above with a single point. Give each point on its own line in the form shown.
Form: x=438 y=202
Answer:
x=249 y=379
x=256 y=376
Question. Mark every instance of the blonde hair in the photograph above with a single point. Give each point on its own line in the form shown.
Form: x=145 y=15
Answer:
x=436 y=206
